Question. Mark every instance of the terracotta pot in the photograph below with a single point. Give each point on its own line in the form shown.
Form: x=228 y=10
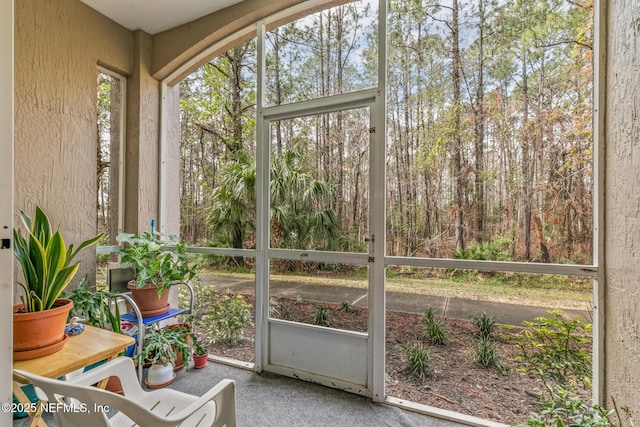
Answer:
x=114 y=385
x=179 y=364
x=200 y=360
x=34 y=332
x=147 y=299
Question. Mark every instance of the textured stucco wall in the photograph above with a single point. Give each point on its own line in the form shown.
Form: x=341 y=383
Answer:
x=141 y=161
x=622 y=206
x=171 y=160
x=58 y=44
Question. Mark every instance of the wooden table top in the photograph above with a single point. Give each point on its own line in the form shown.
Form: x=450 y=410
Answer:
x=91 y=346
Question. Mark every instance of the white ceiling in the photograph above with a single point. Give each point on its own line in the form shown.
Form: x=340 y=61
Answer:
x=154 y=16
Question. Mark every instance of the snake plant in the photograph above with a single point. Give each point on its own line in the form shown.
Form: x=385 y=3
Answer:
x=45 y=260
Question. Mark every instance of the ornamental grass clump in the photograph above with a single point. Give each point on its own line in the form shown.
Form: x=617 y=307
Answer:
x=435 y=329
x=321 y=316
x=485 y=324
x=418 y=359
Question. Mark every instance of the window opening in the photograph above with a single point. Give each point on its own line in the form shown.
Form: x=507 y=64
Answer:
x=109 y=174
x=489 y=179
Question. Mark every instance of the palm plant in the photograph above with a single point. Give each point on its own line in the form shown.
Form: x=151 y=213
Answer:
x=233 y=199
x=300 y=215
x=45 y=260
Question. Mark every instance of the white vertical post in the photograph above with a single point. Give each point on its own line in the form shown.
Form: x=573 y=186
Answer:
x=377 y=305
x=162 y=167
x=262 y=208
x=599 y=104
x=6 y=205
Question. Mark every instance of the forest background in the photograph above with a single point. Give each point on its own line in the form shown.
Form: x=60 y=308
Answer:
x=489 y=147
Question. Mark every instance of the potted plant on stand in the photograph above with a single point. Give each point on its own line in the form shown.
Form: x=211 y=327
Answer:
x=47 y=269
x=161 y=349
x=155 y=268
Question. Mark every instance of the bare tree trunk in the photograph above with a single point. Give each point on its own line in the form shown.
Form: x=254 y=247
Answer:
x=276 y=53
x=479 y=131
x=540 y=236
x=339 y=119
x=457 y=150
x=526 y=162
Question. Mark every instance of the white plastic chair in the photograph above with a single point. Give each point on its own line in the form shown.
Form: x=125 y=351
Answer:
x=158 y=408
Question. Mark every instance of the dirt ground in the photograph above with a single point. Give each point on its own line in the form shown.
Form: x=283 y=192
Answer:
x=456 y=381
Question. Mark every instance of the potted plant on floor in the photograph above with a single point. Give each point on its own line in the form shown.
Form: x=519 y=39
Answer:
x=155 y=268
x=161 y=349
x=200 y=354
x=47 y=269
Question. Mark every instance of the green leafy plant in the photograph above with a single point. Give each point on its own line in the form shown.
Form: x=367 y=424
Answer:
x=151 y=260
x=418 y=359
x=228 y=318
x=321 y=316
x=486 y=354
x=198 y=347
x=162 y=345
x=435 y=329
x=203 y=295
x=497 y=250
x=485 y=324
x=555 y=350
x=45 y=260
x=567 y=410
x=94 y=306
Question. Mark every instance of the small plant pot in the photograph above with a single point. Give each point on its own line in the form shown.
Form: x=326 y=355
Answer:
x=200 y=360
x=114 y=385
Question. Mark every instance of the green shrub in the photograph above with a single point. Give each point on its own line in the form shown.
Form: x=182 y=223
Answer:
x=346 y=306
x=418 y=359
x=497 y=250
x=555 y=350
x=229 y=316
x=567 y=410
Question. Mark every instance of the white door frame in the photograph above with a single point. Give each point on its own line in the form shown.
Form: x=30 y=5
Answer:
x=337 y=358
x=366 y=350
x=6 y=204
